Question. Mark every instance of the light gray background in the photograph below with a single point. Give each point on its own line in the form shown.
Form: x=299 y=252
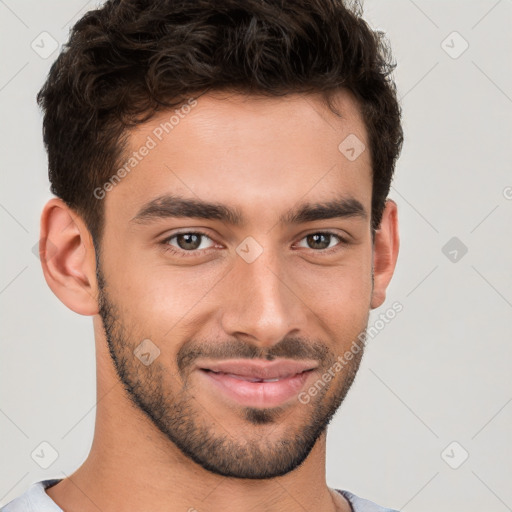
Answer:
x=438 y=373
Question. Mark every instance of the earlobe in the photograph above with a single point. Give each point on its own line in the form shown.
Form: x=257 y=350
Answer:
x=67 y=257
x=385 y=253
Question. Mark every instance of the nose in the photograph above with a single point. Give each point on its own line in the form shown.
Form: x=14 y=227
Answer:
x=261 y=302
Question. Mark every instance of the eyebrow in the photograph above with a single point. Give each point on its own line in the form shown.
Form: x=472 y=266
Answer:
x=171 y=206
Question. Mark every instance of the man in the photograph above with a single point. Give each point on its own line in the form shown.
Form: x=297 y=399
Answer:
x=221 y=171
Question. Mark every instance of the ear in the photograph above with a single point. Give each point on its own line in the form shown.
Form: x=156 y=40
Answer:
x=68 y=259
x=385 y=253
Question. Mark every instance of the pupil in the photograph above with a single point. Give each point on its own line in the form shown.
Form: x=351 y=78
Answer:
x=192 y=241
x=319 y=241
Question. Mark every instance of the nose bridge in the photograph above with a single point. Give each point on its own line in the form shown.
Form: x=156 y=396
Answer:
x=262 y=304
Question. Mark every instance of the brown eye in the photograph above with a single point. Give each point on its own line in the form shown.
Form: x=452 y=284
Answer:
x=189 y=242
x=319 y=240
x=323 y=241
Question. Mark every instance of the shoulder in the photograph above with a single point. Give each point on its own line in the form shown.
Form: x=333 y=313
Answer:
x=34 y=499
x=361 y=505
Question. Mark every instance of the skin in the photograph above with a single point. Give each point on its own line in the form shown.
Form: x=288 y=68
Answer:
x=262 y=156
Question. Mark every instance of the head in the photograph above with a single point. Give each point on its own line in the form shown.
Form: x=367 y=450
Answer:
x=221 y=171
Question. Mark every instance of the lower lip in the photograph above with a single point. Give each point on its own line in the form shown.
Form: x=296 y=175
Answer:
x=258 y=394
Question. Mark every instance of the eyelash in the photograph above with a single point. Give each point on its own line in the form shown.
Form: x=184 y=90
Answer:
x=184 y=253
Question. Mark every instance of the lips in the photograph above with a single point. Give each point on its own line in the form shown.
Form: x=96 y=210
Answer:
x=249 y=379
x=255 y=384
x=258 y=371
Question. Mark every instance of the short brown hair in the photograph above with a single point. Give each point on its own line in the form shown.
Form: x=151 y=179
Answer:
x=131 y=58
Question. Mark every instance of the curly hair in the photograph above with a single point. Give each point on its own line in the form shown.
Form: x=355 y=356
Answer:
x=129 y=59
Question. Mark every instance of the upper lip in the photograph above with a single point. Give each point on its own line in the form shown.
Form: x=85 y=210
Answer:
x=259 y=369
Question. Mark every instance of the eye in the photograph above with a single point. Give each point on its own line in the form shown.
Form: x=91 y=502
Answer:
x=190 y=241
x=322 y=240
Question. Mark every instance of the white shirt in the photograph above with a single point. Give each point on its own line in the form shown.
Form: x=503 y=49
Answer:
x=35 y=499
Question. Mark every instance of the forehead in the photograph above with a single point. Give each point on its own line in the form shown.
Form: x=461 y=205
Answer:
x=255 y=153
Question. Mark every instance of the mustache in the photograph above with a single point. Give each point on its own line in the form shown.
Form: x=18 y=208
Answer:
x=289 y=348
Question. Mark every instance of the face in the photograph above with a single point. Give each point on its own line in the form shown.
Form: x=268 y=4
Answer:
x=260 y=263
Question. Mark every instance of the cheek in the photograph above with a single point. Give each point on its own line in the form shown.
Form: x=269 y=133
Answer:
x=346 y=285
x=339 y=296
x=149 y=286
x=165 y=300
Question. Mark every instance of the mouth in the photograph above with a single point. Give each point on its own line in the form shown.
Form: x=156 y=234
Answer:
x=256 y=386
x=258 y=370
x=254 y=379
